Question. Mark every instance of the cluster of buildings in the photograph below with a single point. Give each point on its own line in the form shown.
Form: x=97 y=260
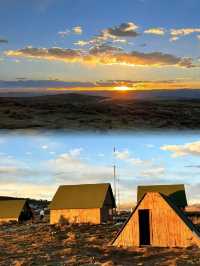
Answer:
x=159 y=219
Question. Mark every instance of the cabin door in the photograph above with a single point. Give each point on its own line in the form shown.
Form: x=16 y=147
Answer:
x=144 y=227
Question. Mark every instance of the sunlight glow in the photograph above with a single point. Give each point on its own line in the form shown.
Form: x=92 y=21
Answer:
x=122 y=88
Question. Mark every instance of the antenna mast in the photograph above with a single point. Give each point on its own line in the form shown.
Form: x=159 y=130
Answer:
x=116 y=184
x=114 y=178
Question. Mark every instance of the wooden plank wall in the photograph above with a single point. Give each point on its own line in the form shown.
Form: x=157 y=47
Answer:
x=167 y=228
x=92 y=216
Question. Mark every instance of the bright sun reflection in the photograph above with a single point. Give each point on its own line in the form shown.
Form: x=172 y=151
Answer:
x=122 y=88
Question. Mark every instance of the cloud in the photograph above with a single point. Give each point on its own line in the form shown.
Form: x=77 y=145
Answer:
x=77 y=30
x=184 y=31
x=25 y=83
x=198 y=37
x=122 y=155
x=123 y=30
x=82 y=43
x=104 y=54
x=125 y=155
x=44 y=147
x=153 y=172
x=3 y=41
x=155 y=31
x=177 y=33
x=67 y=167
x=53 y=86
x=12 y=170
x=71 y=167
x=192 y=148
x=28 y=190
x=173 y=39
x=121 y=41
x=114 y=34
x=64 y=33
x=103 y=49
x=192 y=166
x=75 y=152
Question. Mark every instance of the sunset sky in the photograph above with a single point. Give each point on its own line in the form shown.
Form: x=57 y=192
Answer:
x=34 y=165
x=139 y=44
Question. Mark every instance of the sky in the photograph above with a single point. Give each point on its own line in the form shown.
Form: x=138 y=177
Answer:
x=138 y=44
x=34 y=165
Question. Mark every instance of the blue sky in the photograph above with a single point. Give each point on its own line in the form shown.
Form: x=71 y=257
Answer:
x=35 y=165
x=30 y=31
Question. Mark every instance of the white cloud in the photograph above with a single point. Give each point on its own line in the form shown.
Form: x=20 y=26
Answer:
x=20 y=178
x=44 y=147
x=122 y=155
x=184 y=31
x=75 y=152
x=77 y=30
x=70 y=167
x=64 y=33
x=192 y=148
x=12 y=169
x=125 y=155
x=82 y=43
x=155 y=31
x=28 y=190
x=177 y=33
x=153 y=172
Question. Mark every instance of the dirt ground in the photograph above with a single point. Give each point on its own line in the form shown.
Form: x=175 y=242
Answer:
x=43 y=244
x=74 y=112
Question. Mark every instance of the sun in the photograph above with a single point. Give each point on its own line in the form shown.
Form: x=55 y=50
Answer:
x=122 y=88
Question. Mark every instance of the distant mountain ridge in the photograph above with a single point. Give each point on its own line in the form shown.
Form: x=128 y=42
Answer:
x=139 y=95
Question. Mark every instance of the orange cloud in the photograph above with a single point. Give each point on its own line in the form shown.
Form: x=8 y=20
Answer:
x=103 y=54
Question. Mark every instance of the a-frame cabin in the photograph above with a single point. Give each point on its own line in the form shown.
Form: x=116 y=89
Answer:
x=83 y=203
x=157 y=221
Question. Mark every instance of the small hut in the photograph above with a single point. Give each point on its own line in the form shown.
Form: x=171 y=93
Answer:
x=85 y=203
x=14 y=210
x=158 y=220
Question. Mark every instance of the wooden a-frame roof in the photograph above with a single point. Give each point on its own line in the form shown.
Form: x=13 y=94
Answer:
x=177 y=210
x=11 y=208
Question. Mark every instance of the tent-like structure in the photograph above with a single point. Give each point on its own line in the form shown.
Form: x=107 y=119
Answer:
x=14 y=210
x=158 y=221
x=84 y=203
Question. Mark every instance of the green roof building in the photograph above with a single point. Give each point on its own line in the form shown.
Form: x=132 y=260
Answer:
x=84 y=203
